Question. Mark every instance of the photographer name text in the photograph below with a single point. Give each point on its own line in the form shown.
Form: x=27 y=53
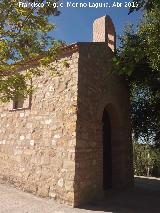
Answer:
x=69 y=4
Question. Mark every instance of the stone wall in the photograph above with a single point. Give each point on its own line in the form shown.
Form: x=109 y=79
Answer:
x=54 y=147
x=37 y=143
x=99 y=90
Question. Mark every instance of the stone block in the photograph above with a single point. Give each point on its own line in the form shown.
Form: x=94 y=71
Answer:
x=43 y=190
x=69 y=165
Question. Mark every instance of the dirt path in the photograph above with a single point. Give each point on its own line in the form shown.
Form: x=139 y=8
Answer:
x=145 y=197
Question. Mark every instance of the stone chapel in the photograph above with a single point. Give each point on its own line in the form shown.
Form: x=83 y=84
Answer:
x=71 y=140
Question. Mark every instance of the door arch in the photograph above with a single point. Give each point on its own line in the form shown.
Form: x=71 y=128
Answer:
x=107 y=151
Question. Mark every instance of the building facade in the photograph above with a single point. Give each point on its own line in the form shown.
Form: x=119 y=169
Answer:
x=71 y=140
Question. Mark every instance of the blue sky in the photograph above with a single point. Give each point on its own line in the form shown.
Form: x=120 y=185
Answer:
x=75 y=24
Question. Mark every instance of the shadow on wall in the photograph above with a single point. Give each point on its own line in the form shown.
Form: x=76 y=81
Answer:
x=143 y=198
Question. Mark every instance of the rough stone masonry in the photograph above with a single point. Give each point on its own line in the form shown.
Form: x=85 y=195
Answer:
x=52 y=144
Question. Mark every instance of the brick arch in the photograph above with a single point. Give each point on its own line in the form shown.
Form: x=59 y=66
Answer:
x=113 y=113
x=112 y=145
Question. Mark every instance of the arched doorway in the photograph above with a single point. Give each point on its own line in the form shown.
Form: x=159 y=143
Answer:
x=107 y=151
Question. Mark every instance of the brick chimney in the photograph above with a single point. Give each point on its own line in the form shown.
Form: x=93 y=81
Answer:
x=104 y=31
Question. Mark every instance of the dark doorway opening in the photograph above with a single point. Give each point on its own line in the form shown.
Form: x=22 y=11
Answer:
x=107 y=152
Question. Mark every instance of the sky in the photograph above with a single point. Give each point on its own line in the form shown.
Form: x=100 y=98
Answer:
x=75 y=23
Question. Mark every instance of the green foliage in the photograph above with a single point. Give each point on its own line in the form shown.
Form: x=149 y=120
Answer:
x=146 y=160
x=138 y=59
x=149 y=30
x=24 y=35
x=145 y=5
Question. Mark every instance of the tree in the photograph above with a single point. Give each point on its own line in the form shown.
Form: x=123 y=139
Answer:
x=138 y=59
x=146 y=5
x=24 y=34
x=146 y=160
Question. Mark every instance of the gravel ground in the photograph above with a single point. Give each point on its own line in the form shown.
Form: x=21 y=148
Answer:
x=143 y=198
